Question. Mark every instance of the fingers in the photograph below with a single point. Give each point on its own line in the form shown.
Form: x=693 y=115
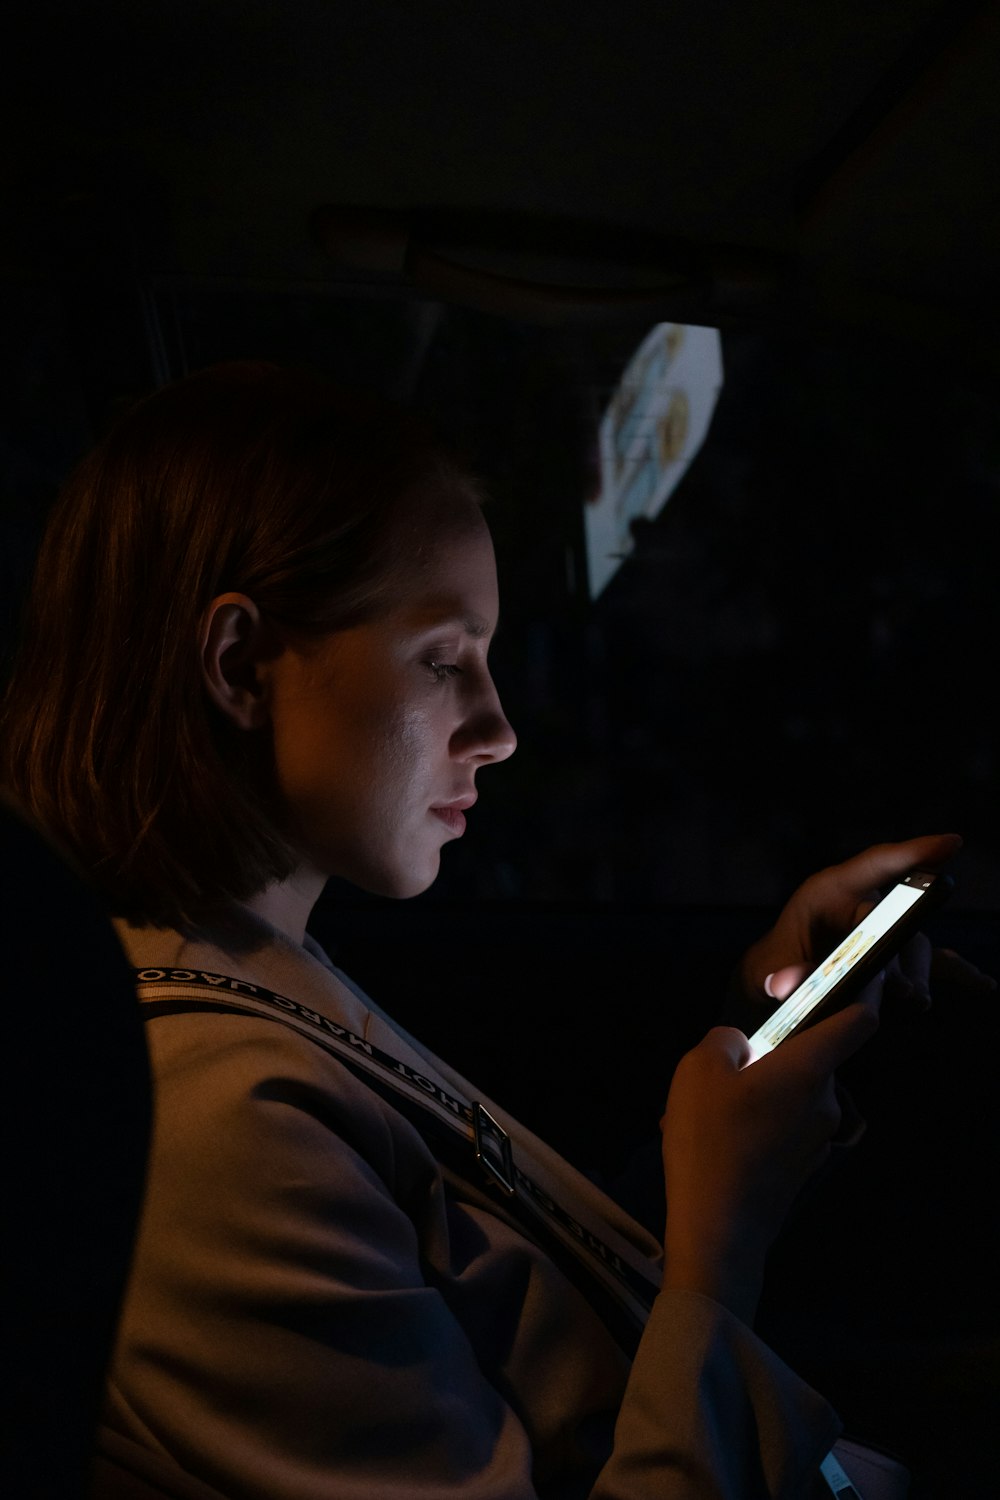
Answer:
x=873 y=868
x=780 y=984
x=731 y=1046
x=740 y=1143
x=827 y=1044
x=861 y=879
x=721 y=1053
x=803 y=1066
x=920 y=972
x=907 y=986
x=949 y=970
x=828 y=904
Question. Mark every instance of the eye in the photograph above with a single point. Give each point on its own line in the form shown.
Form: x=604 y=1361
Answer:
x=443 y=670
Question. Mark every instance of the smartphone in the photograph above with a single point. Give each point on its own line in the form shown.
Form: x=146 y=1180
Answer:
x=856 y=959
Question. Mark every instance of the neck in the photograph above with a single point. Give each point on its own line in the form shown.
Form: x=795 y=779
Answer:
x=288 y=904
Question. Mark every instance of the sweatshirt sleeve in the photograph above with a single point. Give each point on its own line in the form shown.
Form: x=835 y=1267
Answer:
x=710 y=1410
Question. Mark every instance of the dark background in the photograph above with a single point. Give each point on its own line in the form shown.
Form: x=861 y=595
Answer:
x=797 y=660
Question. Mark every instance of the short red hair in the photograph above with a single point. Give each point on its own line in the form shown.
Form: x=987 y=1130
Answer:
x=244 y=477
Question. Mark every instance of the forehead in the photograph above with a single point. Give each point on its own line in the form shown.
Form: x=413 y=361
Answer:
x=446 y=568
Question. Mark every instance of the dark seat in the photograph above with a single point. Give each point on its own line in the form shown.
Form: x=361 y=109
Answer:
x=77 y=1103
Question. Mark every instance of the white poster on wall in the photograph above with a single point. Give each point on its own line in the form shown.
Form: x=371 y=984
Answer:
x=654 y=424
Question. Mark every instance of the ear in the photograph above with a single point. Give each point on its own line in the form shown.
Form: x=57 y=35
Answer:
x=234 y=644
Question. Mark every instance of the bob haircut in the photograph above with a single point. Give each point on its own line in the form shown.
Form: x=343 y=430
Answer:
x=245 y=477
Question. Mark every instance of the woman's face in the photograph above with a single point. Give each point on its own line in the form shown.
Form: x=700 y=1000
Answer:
x=380 y=729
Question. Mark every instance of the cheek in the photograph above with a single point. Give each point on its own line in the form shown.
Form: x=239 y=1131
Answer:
x=403 y=766
x=314 y=760
x=361 y=770
x=377 y=777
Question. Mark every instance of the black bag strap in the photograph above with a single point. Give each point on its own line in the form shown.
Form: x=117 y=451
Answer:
x=463 y=1135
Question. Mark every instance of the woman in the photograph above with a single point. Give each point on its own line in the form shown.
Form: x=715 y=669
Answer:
x=255 y=657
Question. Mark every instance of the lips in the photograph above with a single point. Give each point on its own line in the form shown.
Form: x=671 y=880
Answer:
x=452 y=817
x=452 y=814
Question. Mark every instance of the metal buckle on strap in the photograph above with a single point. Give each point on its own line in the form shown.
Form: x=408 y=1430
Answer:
x=493 y=1151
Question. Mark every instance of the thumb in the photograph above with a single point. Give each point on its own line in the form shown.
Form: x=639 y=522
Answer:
x=729 y=1046
x=835 y=1038
x=782 y=982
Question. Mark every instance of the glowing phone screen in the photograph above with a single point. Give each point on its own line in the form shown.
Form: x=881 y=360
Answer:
x=822 y=979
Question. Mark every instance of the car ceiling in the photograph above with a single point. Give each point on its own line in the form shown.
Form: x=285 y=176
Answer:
x=777 y=166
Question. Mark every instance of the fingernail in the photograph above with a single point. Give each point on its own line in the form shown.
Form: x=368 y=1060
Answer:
x=767 y=987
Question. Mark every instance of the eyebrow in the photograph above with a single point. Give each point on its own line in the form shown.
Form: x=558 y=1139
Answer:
x=473 y=625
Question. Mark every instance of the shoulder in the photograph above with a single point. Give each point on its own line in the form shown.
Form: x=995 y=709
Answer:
x=246 y=1097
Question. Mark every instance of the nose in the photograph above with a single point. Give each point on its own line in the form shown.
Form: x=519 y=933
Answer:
x=485 y=735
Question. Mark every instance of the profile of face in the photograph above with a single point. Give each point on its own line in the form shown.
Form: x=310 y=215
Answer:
x=379 y=729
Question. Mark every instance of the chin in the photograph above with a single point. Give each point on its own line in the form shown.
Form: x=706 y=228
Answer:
x=416 y=886
x=399 y=885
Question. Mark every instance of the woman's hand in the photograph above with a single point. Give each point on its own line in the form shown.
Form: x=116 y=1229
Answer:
x=828 y=905
x=740 y=1141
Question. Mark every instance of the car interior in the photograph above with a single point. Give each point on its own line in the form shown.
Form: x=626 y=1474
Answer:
x=707 y=295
